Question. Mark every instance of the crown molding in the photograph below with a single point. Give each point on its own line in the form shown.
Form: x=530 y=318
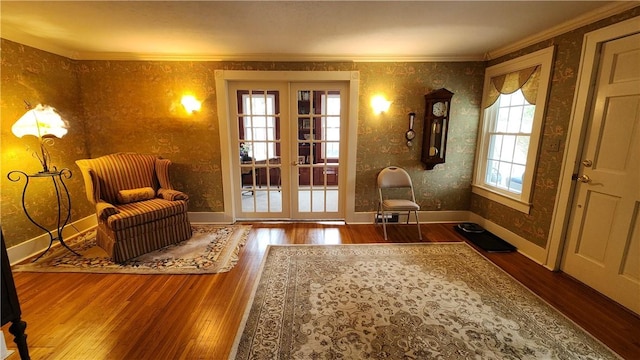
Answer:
x=586 y=19
x=464 y=58
x=37 y=43
x=268 y=57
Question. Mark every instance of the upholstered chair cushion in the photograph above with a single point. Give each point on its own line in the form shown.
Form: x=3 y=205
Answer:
x=130 y=215
x=134 y=195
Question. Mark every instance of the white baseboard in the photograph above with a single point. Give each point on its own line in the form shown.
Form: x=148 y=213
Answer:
x=425 y=217
x=208 y=218
x=38 y=244
x=534 y=252
x=525 y=247
x=357 y=218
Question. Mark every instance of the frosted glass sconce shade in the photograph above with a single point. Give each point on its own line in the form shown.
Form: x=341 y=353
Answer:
x=380 y=104
x=191 y=104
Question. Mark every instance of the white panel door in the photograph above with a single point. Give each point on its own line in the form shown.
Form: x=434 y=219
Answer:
x=603 y=239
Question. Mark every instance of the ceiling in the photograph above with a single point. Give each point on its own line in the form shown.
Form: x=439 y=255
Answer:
x=292 y=30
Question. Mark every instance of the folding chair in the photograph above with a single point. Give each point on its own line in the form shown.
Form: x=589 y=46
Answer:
x=390 y=179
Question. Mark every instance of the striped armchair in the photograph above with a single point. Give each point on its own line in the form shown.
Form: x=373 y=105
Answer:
x=138 y=211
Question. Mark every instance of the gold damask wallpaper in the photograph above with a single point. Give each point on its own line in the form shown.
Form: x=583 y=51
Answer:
x=38 y=77
x=116 y=106
x=536 y=225
x=133 y=106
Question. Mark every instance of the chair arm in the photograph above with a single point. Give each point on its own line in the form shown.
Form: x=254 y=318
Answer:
x=162 y=173
x=104 y=210
x=170 y=194
x=91 y=181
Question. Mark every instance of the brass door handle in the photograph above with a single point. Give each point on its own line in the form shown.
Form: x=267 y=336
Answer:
x=584 y=179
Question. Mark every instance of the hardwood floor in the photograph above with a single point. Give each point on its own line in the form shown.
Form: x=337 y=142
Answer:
x=98 y=316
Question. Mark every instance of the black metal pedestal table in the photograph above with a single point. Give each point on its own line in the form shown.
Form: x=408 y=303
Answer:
x=62 y=197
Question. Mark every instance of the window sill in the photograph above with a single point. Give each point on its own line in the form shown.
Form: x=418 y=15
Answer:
x=488 y=193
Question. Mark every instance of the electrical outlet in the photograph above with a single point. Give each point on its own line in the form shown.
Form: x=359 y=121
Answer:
x=389 y=218
x=554 y=145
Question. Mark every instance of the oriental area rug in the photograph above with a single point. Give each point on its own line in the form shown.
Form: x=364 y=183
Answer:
x=400 y=301
x=211 y=249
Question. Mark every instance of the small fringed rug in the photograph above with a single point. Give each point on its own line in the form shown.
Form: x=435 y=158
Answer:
x=401 y=301
x=211 y=249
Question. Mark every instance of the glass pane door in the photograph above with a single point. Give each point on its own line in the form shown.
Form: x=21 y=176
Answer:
x=259 y=145
x=286 y=149
x=318 y=125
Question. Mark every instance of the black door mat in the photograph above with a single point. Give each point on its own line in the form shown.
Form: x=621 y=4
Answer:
x=483 y=238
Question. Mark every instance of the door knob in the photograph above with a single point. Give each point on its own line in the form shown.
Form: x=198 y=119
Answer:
x=584 y=179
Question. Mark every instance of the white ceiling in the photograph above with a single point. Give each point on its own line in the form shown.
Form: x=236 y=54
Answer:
x=292 y=30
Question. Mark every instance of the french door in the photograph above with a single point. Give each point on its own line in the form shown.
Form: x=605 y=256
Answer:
x=286 y=149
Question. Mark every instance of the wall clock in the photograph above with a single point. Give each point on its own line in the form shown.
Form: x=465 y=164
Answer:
x=436 y=124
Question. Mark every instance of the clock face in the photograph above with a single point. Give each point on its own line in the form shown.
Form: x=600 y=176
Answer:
x=439 y=108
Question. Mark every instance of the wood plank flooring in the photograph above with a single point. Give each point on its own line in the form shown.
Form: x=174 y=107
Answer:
x=114 y=316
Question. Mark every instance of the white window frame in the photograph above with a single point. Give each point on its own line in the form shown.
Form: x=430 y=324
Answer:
x=522 y=201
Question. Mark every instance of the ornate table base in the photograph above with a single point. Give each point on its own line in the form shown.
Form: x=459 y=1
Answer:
x=62 y=196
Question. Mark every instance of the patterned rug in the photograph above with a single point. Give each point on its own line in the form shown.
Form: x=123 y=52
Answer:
x=407 y=301
x=211 y=249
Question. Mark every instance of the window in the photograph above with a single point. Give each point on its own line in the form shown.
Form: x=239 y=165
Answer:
x=509 y=134
x=331 y=126
x=514 y=102
x=259 y=125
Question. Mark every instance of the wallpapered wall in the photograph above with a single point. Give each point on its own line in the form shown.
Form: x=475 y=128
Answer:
x=38 y=77
x=536 y=225
x=134 y=106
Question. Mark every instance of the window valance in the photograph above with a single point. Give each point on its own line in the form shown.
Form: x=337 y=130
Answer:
x=525 y=79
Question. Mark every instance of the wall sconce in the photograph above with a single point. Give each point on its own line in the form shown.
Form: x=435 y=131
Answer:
x=191 y=104
x=44 y=123
x=380 y=104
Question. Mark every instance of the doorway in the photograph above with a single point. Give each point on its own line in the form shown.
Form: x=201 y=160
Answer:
x=284 y=136
x=596 y=236
x=288 y=138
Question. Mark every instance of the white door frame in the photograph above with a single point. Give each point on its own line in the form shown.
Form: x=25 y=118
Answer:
x=223 y=77
x=576 y=131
